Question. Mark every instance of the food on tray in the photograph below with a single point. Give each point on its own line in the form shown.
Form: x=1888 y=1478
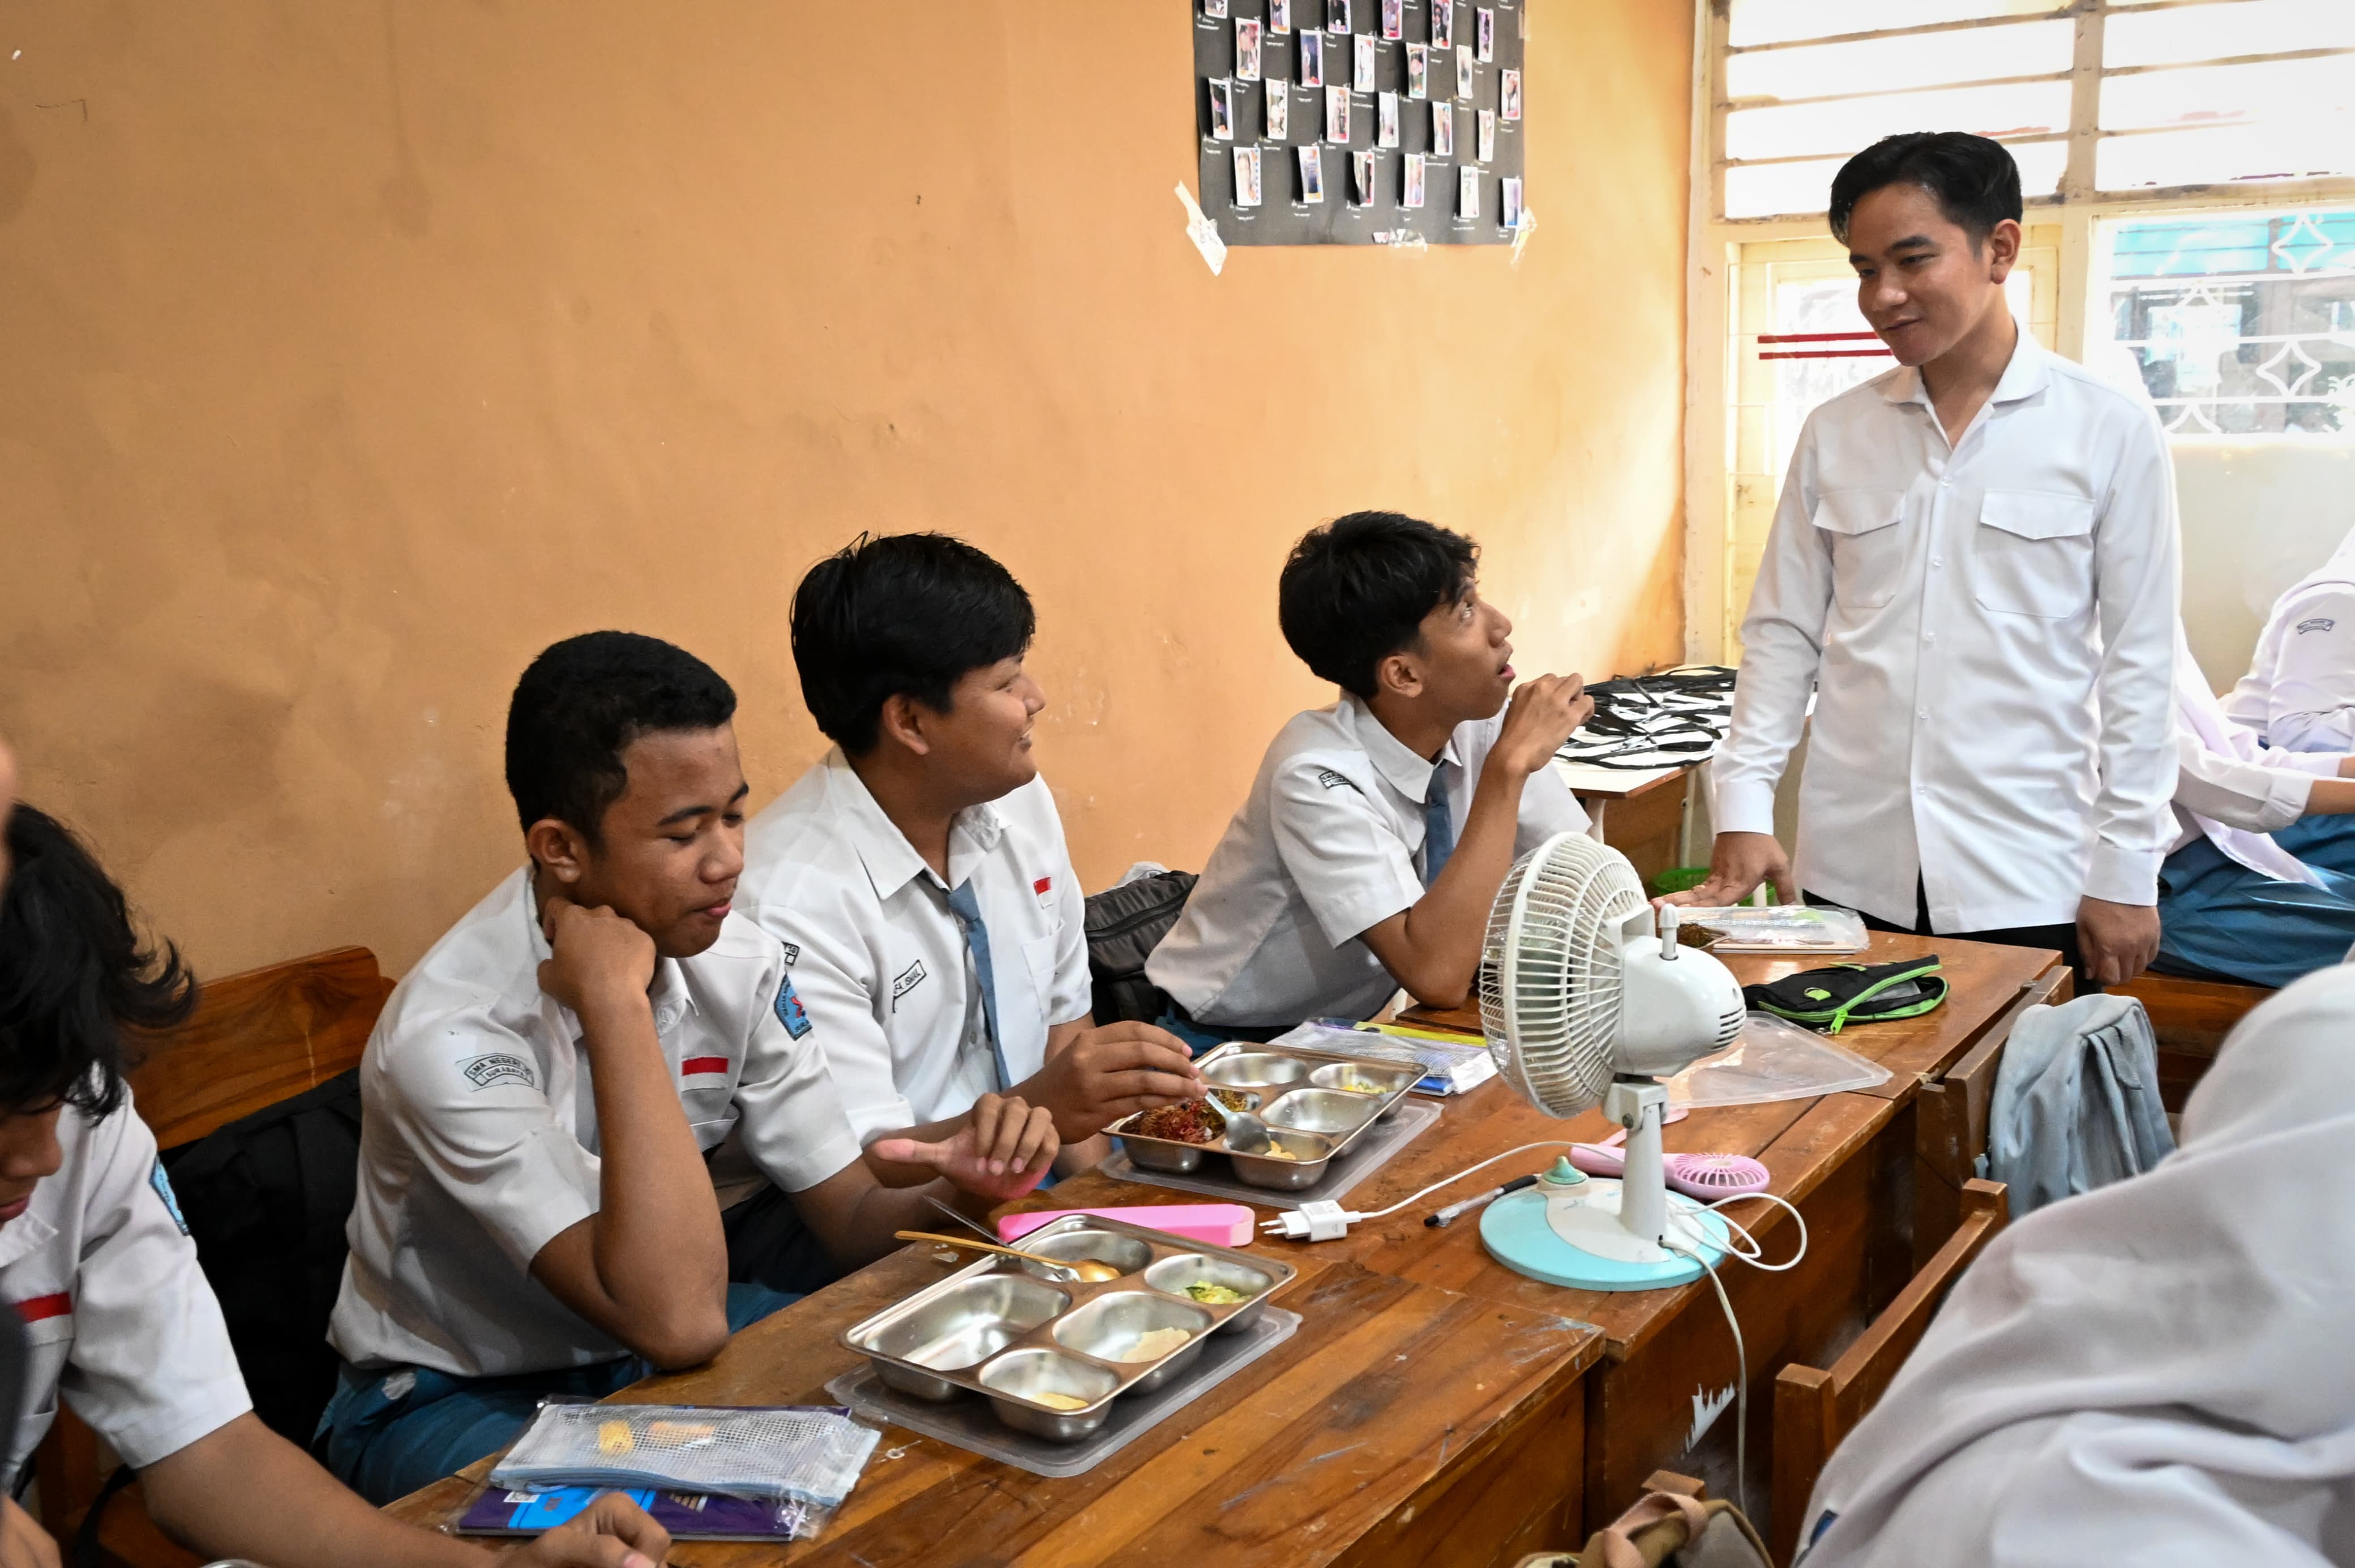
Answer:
x=1214 y=1294
x=1190 y=1122
x=1357 y=1085
x=613 y=1438
x=1233 y=1099
x=1059 y=1401
x=679 y=1433
x=1277 y=1151
x=1156 y=1343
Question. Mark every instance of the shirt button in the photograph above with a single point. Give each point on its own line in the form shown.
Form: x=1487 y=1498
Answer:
x=1920 y=713
x=1936 y=561
x=1946 y=483
x=1929 y=636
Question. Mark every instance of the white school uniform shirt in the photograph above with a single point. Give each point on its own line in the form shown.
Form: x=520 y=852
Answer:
x=1327 y=844
x=2155 y=1373
x=120 y=1318
x=2299 y=693
x=478 y=1144
x=1989 y=631
x=2232 y=791
x=883 y=966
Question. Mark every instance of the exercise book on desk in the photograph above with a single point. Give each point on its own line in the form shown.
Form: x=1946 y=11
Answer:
x=687 y=1515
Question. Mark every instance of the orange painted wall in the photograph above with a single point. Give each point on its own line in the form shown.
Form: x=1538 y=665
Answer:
x=355 y=353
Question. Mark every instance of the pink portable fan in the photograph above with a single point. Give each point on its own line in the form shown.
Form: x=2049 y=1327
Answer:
x=1702 y=1176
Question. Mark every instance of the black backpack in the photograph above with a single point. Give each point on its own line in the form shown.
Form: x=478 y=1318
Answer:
x=1124 y=925
x=266 y=1198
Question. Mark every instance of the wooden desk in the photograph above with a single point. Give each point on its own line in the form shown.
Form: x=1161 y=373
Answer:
x=1401 y=1425
x=1642 y=814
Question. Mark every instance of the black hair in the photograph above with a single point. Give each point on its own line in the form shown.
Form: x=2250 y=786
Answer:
x=579 y=707
x=1975 y=180
x=901 y=614
x=73 y=974
x=1356 y=591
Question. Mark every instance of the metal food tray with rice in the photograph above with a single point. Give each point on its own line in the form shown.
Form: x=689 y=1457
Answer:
x=1316 y=1107
x=1000 y=1330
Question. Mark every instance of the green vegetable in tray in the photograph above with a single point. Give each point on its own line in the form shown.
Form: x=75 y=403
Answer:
x=1211 y=1294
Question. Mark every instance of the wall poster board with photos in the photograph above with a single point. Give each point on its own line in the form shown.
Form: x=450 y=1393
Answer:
x=1360 y=122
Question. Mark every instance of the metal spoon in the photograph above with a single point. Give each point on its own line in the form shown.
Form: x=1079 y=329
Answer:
x=1246 y=1133
x=967 y=1220
x=1087 y=1269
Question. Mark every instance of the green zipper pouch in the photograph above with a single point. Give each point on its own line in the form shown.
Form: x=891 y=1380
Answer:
x=1831 y=999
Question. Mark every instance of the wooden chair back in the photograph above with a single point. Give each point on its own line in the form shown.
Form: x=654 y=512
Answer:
x=1815 y=1408
x=255 y=1039
x=2191 y=1019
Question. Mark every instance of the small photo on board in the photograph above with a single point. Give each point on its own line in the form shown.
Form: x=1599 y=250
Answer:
x=1418 y=70
x=1443 y=130
x=1246 y=50
x=1312 y=173
x=1361 y=169
x=1414 y=175
x=1337 y=15
x=1483 y=31
x=1279 y=111
x=1312 y=59
x=1394 y=18
x=1464 y=72
x=1442 y=24
x=1214 y=7
x=1366 y=56
x=1222 y=108
x=1488 y=136
x=1336 y=115
x=1508 y=95
x=1279 y=16
x=1467 y=191
x=1246 y=177
x=1512 y=202
x=1386 y=120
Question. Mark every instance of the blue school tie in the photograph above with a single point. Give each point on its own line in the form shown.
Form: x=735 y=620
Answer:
x=967 y=909
x=1438 y=831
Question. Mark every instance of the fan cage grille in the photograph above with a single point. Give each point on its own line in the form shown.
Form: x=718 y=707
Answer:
x=1550 y=972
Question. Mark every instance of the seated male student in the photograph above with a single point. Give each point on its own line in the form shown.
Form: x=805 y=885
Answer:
x=2298 y=697
x=554 y=1093
x=94 y=1258
x=1380 y=828
x=917 y=875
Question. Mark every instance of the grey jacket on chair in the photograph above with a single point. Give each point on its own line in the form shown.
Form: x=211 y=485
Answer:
x=2076 y=1102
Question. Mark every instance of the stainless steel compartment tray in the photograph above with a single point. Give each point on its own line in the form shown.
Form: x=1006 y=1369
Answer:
x=1277 y=1074
x=1060 y=1336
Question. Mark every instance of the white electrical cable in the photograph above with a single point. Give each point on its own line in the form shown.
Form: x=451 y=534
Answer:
x=1289 y=1224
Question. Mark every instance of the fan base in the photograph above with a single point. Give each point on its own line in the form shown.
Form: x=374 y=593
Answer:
x=1518 y=1233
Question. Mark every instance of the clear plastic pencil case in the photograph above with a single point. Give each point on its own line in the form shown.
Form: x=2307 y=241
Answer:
x=809 y=1453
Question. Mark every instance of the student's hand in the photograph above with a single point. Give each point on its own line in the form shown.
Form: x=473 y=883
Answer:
x=1113 y=1071
x=611 y=1532
x=1003 y=1151
x=23 y=1543
x=1543 y=713
x=601 y=959
x=2117 y=942
x=1737 y=863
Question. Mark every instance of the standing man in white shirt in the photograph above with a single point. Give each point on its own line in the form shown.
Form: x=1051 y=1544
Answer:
x=1974 y=569
x=917 y=876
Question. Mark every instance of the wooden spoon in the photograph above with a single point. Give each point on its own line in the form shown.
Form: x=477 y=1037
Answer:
x=1088 y=1269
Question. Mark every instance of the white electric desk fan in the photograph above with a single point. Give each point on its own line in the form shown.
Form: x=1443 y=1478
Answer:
x=1585 y=1001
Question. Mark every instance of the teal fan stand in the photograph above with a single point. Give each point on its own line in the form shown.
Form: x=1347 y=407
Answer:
x=1587 y=1001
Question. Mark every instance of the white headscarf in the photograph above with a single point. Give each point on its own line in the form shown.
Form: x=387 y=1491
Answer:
x=2158 y=1373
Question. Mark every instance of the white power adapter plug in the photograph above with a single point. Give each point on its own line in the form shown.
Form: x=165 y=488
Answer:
x=1323 y=1221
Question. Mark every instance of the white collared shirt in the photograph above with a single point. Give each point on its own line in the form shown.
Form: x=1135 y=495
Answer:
x=2233 y=792
x=1326 y=846
x=882 y=966
x=479 y=1143
x=1989 y=630
x=2299 y=693
x=119 y=1315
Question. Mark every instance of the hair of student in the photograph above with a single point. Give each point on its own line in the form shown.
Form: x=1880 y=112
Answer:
x=901 y=614
x=1355 y=591
x=581 y=704
x=1976 y=182
x=74 y=973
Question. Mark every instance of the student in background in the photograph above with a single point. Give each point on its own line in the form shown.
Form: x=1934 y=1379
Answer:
x=932 y=925
x=1973 y=569
x=557 y=1089
x=2299 y=694
x=95 y=1259
x=1379 y=830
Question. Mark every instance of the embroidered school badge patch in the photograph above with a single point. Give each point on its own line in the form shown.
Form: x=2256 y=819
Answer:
x=163 y=1186
x=2315 y=624
x=909 y=978
x=789 y=1011
x=1332 y=780
x=499 y=1068
x=792 y=953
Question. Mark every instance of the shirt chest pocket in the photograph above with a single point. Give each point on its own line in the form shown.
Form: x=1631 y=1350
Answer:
x=2033 y=554
x=1039 y=958
x=1867 y=547
x=49 y=1343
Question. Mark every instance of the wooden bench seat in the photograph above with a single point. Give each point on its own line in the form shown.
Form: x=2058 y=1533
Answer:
x=2190 y=1019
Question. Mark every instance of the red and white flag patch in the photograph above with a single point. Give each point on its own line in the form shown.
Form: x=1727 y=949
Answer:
x=702 y=1066
x=42 y=1308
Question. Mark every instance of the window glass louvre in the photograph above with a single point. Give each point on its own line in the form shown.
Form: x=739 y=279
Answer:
x=1846 y=125
x=1778 y=21
x=1909 y=60
x=2185 y=35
